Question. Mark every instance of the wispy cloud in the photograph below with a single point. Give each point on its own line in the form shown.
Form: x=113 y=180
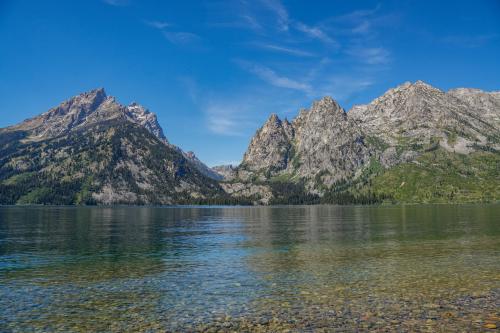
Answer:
x=117 y=3
x=364 y=23
x=469 y=41
x=181 y=37
x=237 y=14
x=221 y=124
x=280 y=11
x=270 y=76
x=358 y=15
x=358 y=57
x=175 y=37
x=191 y=87
x=251 y=22
x=360 y=21
x=160 y=25
x=345 y=87
x=242 y=21
x=284 y=49
x=226 y=118
x=260 y=16
x=362 y=27
x=315 y=32
x=370 y=55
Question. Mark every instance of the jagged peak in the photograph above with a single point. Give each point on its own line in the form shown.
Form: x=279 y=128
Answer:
x=139 y=110
x=407 y=87
x=94 y=96
x=89 y=101
x=425 y=86
x=137 y=106
x=98 y=94
x=273 y=119
x=327 y=103
x=411 y=85
x=146 y=118
x=96 y=91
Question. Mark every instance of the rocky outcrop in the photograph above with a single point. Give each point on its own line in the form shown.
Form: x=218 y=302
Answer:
x=328 y=145
x=142 y=116
x=322 y=143
x=256 y=193
x=270 y=147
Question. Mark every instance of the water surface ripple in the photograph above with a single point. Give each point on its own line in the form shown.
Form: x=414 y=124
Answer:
x=299 y=268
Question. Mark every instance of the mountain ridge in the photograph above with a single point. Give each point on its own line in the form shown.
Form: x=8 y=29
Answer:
x=414 y=143
x=334 y=150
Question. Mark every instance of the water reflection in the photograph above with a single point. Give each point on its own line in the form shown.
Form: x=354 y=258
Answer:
x=303 y=267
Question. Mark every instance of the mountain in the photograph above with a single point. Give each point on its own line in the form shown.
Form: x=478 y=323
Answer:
x=202 y=167
x=91 y=149
x=415 y=143
x=225 y=171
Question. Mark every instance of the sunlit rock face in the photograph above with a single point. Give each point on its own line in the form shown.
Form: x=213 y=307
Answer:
x=325 y=145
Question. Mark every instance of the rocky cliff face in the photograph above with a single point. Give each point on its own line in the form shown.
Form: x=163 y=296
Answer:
x=328 y=145
x=270 y=147
x=142 y=116
x=91 y=149
x=416 y=113
x=321 y=143
x=326 y=149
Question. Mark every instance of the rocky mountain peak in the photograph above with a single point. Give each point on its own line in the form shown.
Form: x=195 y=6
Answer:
x=86 y=102
x=327 y=104
x=422 y=83
x=269 y=146
x=91 y=97
x=86 y=109
x=424 y=88
x=70 y=114
x=142 y=116
x=273 y=120
x=323 y=111
x=98 y=93
x=272 y=123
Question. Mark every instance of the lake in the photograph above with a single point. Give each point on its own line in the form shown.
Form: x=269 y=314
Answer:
x=296 y=268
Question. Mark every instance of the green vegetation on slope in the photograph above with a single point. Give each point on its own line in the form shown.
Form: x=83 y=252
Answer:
x=118 y=155
x=439 y=176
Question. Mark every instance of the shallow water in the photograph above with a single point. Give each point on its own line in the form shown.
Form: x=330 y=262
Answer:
x=302 y=268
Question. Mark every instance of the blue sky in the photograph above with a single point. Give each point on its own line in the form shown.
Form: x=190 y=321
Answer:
x=213 y=71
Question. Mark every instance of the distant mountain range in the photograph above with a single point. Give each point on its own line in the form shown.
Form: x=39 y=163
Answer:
x=414 y=144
